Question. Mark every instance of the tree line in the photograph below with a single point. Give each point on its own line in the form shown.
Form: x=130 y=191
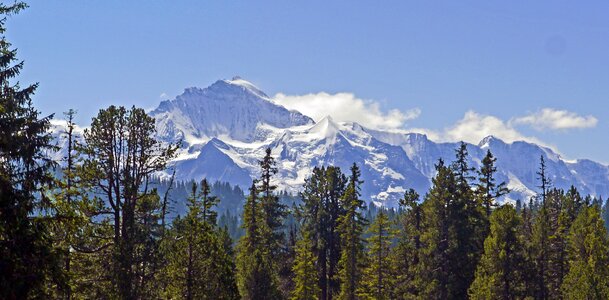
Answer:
x=100 y=229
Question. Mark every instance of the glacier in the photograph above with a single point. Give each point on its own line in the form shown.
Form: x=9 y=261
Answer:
x=225 y=128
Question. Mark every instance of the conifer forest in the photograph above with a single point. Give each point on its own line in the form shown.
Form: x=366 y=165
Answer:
x=100 y=223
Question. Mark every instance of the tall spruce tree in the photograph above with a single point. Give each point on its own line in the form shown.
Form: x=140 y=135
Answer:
x=274 y=212
x=256 y=276
x=499 y=274
x=351 y=226
x=198 y=264
x=541 y=234
x=319 y=213
x=68 y=208
x=606 y=213
x=588 y=253
x=487 y=189
x=406 y=255
x=28 y=261
x=468 y=223
x=306 y=283
x=438 y=238
x=378 y=278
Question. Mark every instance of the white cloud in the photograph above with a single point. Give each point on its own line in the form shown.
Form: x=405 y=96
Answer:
x=345 y=107
x=553 y=119
x=473 y=127
x=163 y=96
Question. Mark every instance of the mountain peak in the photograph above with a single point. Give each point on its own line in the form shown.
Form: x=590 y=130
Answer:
x=326 y=127
x=242 y=84
x=486 y=142
x=233 y=108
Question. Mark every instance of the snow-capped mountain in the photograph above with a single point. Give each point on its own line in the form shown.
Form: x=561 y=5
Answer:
x=233 y=109
x=226 y=127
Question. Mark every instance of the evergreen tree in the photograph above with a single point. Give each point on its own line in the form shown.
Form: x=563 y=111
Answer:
x=529 y=269
x=487 y=189
x=351 y=226
x=540 y=237
x=319 y=213
x=306 y=285
x=588 y=253
x=120 y=155
x=378 y=282
x=406 y=255
x=468 y=223
x=198 y=263
x=28 y=261
x=256 y=276
x=71 y=228
x=541 y=232
x=499 y=274
x=562 y=211
x=274 y=212
x=606 y=214
x=208 y=202
x=438 y=236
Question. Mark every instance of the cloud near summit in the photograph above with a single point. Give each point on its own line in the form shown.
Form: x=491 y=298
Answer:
x=345 y=107
x=472 y=128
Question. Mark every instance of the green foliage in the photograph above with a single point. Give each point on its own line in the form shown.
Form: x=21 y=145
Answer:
x=28 y=262
x=306 y=285
x=588 y=252
x=406 y=255
x=499 y=274
x=319 y=213
x=199 y=265
x=119 y=157
x=377 y=280
x=486 y=188
x=351 y=226
x=256 y=274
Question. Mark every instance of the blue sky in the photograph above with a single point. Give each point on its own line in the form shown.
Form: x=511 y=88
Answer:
x=537 y=70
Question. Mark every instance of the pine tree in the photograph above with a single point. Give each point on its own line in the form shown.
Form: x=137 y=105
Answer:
x=28 y=261
x=588 y=253
x=306 y=284
x=351 y=226
x=274 y=211
x=256 y=276
x=68 y=209
x=541 y=232
x=529 y=270
x=437 y=236
x=605 y=213
x=319 y=213
x=406 y=255
x=499 y=274
x=208 y=202
x=562 y=211
x=487 y=190
x=199 y=266
x=120 y=155
x=468 y=223
x=378 y=282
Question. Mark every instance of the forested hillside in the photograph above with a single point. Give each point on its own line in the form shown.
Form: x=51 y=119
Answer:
x=107 y=228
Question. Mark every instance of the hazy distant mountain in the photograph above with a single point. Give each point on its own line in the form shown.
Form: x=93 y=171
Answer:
x=226 y=127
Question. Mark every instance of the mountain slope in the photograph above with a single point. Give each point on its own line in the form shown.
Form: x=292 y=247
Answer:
x=228 y=108
x=226 y=127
